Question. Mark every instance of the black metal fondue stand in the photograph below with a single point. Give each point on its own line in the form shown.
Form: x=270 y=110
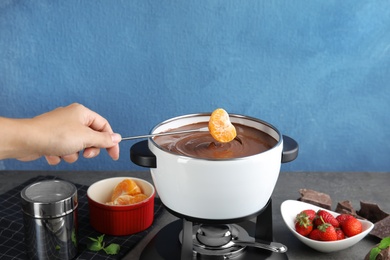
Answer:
x=180 y=239
x=195 y=238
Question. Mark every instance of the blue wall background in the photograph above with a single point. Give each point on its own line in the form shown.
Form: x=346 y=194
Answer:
x=317 y=70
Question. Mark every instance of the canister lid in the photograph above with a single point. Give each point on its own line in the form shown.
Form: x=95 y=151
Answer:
x=49 y=199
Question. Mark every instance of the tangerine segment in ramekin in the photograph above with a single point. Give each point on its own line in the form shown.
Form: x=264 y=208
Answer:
x=125 y=187
x=119 y=220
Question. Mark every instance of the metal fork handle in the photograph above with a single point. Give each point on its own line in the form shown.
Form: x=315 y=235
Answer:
x=166 y=133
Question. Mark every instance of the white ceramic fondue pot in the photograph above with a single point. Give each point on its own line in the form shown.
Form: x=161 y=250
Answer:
x=214 y=189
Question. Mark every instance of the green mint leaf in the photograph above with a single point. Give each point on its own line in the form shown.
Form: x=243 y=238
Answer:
x=112 y=249
x=385 y=243
x=100 y=238
x=95 y=246
x=74 y=237
x=93 y=239
x=374 y=253
x=98 y=244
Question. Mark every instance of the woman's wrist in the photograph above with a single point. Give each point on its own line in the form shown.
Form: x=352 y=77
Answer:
x=16 y=138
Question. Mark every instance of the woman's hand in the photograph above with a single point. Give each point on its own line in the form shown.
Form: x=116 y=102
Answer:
x=61 y=134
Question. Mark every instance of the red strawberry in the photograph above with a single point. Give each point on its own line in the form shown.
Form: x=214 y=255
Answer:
x=325 y=217
x=327 y=232
x=311 y=214
x=303 y=226
x=352 y=227
x=315 y=234
x=340 y=234
x=343 y=217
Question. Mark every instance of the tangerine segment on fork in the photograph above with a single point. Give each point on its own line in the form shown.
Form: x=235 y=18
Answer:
x=220 y=127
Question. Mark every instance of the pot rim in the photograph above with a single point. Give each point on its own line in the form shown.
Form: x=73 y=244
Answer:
x=278 y=138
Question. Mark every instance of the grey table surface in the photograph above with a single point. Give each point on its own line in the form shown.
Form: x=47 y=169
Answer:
x=352 y=186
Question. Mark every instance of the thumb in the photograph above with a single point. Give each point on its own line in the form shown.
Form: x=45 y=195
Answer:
x=104 y=139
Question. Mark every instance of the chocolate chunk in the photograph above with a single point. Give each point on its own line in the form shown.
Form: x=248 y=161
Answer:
x=371 y=211
x=345 y=207
x=381 y=228
x=316 y=198
x=384 y=254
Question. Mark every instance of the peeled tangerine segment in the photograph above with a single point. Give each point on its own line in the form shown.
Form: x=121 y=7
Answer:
x=220 y=127
x=128 y=199
x=125 y=187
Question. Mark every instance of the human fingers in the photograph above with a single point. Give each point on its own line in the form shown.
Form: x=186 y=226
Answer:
x=97 y=122
x=100 y=134
x=91 y=152
x=112 y=148
x=53 y=160
x=101 y=139
x=70 y=158
x=28 y=158
x=113 y=152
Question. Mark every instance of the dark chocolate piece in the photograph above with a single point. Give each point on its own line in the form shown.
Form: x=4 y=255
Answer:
x=316 y=198
x=371 y=211
x=381 y=228
x=345 y=207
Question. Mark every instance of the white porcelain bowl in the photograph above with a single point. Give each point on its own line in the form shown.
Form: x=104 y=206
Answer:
x=290 y=209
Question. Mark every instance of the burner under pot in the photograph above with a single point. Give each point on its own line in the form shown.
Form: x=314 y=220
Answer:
x=184 y=239
x=228 y=240
x=216 y=240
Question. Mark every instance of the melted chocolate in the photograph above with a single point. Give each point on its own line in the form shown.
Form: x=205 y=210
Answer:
x=249 y=141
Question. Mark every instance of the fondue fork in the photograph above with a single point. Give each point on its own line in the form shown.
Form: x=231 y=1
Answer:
x=203 y=129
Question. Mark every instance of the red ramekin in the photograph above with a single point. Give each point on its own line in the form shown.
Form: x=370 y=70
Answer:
x=119 y=220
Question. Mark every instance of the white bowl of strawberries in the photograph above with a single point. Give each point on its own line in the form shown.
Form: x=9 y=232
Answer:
x=321 y=229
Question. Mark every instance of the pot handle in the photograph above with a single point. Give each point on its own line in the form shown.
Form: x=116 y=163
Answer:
x=142 y=156
x=290 y=149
